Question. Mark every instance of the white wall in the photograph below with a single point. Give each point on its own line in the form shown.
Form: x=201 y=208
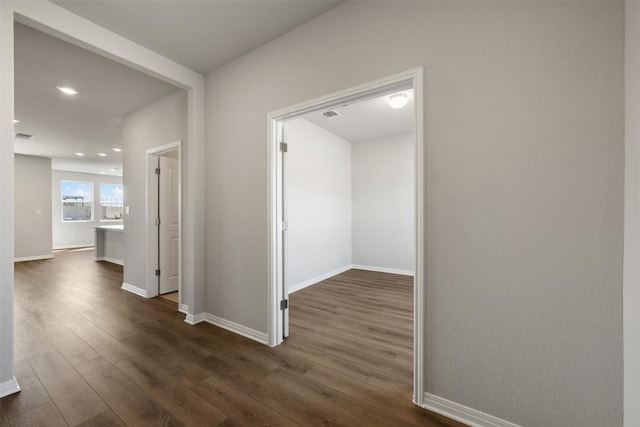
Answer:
x=383 y=202
x=160 y=123
x=32 y=223
x=318 y=180
x=524 y=117
x=77 y=234
x=632 y=218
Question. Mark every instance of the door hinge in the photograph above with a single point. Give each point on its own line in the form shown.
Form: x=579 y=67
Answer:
x=157 y=222
x=157 y=171
x=284 y=226
x=284 y=147
x=284 y=304
x=158 y=272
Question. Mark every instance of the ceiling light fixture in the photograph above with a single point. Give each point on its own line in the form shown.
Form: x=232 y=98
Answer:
x=67 y=90
x=116 y=169
x=102 y=155
x=117 y=150
x=79 y=154
x=16 y=121
x=398 y=100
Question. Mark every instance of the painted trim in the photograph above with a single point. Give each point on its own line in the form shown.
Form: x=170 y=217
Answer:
x=415 y=77
x=88 y=245
x=237 y=328
x=320 y=278
x=32 y=258
x=111 y=260
x=382 y=269
x=194 y=319
x=183 y=308
x=464 y=414
x=135 y=290
x=9 y=387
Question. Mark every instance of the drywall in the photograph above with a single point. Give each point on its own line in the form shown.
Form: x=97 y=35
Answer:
x=318 y=180
x=77 y=234
x=32 y=220
x=158 y=124
x=383 y=202
x=632 y=217
x=524 y=121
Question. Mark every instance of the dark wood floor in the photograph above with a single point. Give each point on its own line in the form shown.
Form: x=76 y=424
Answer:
x=91 y=354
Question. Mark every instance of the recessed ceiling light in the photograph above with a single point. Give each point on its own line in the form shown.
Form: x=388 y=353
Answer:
x=116 y=169
x=16 y=121
x=67 y=90
x=79 y=154
x=117 y=150
x=102 y=155
x=398 y=100
x=102 y=173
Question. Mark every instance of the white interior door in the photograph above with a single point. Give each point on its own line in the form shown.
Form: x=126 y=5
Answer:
x=169 y=228
x=283 y=227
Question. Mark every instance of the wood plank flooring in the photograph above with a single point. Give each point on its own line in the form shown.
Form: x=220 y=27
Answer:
x=90 y=354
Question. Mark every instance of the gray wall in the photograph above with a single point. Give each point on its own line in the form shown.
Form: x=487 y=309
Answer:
x=383 y=202
x=77 y=234
x=32 y=217
x=632 y=218
x=524 y=109
x=158 y=124
x=318 y=179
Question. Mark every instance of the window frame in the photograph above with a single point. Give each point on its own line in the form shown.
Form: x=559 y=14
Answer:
x=100 y=202
x=93 y=192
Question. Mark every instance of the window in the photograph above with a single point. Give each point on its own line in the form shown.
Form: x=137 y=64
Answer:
x=77 y=201
x=111 y=202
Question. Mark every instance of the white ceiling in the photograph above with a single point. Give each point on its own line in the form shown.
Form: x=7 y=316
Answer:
x=368 y=119
x=202 y=35
x=89 y=122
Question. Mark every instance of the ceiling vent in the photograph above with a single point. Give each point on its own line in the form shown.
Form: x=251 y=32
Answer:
x=20 y=135
x=331 y=114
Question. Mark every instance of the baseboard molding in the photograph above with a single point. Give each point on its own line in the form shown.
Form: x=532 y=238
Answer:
x=111 y=260
x=236 y=328
x=9 y=387
x=87 y=245
x=33 y=258
x=464 y=414
x=382 y=269
x=194 y=319
x=317 y=279
x=135 y=290
x=183 y=308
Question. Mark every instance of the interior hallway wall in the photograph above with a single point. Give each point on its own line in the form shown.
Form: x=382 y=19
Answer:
x=383 y=203
x=160 y=123
x=524 y=120
x=318 y=179
x=32 y=204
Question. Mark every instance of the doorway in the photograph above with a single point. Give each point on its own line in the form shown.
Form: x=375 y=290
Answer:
x=164 y=189
x=279 y=303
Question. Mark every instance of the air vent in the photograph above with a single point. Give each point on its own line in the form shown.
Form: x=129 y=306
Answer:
x=331 y=114
x=23 y=135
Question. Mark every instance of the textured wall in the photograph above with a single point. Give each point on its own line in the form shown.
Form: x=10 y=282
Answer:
x=524 y=121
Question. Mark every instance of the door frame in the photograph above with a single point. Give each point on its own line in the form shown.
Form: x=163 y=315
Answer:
x=151 y=211
x=274 y=168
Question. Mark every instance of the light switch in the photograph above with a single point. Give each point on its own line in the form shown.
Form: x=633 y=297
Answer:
x=126 y=210
x=38 y=212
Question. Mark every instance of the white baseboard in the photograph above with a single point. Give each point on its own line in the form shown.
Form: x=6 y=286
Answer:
x=382 y=269
x=86 y=245
x=183 y=308
x=32 y=258
x=112 y=260
x=236 y=328
x=135 y=290
x=464 y=414
x=9 y=387
x=194 y=319
x=317 y=279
